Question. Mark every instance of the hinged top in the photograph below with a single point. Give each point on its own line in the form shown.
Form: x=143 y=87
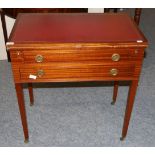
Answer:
x=75 y=28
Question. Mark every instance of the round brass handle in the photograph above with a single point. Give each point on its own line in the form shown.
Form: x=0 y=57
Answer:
x=115 y=57
x=39 y=58
x=114 y=72
x=40 y=73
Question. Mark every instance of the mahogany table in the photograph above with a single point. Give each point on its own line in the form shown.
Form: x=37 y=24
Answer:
x=76 y=48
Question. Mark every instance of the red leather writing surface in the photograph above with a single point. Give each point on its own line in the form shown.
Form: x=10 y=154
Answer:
x=70 y=28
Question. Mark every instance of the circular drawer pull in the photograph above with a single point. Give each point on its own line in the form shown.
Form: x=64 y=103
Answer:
x=115 y=57
x=39 y=58
x=114 y=72
x=40 y=73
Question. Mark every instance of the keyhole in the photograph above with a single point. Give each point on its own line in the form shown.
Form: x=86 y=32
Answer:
x=136 y=51
x=18 y=53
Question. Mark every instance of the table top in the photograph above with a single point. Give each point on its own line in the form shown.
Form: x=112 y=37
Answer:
x=75 y=28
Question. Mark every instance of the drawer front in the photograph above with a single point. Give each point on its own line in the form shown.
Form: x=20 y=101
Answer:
x=44 y=56
x=75 y=71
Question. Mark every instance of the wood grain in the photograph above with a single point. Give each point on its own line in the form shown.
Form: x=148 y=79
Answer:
x=29 y=56
x=129 y=107
x=21 y=103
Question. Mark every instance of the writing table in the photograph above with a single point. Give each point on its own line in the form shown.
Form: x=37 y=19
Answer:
x=76 y=48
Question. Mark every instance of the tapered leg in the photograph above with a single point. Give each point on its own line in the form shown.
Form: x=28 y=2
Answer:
x=115 y=91
x=137 y=15
x=129 y=106
x=21 y=104
x=30 y=88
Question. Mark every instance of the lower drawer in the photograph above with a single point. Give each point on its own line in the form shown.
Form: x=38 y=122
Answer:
x=75 y=71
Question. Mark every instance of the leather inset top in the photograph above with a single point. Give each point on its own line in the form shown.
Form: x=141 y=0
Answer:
x=74 y=28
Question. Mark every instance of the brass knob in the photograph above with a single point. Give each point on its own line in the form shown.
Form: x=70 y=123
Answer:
x=114 y=72
x=40 y=73
x=115 y=57
x=39 y=58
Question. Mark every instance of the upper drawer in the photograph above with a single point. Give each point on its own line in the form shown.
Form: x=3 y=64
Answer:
x=43 y=56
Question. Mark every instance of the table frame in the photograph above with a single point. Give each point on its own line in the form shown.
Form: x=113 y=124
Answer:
x=132 y=87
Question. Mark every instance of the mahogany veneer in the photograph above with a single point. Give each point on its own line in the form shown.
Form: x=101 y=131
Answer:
x=76 y=48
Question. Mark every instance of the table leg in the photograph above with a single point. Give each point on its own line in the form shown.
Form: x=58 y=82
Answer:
x=137 y=15
x=21 y=104
x=129 y=106
x=30 y=88
x=115 y=91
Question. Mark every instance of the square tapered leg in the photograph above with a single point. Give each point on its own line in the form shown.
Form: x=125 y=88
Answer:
x=30 y=88
x=129 y=107
x=21 y=104
x=115 y=91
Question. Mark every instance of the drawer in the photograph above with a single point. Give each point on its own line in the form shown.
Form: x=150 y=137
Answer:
x=43 y=56
x=75 y=71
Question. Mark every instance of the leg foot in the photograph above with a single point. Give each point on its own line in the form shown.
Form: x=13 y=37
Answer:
x=113 y=103
x=122 y=138
x=31 y=103
x=26 y=140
